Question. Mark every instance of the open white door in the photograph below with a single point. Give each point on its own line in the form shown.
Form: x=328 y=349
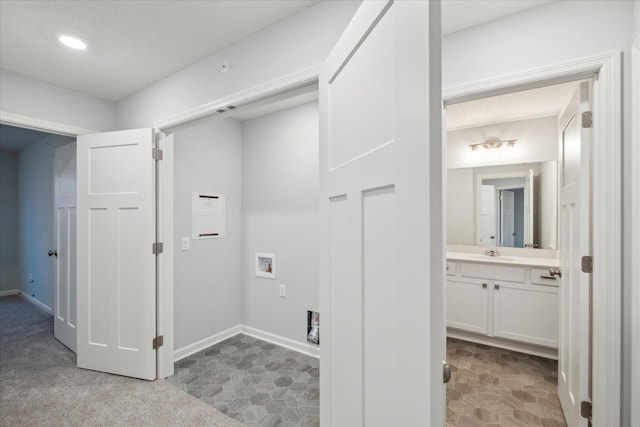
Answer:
x=529 y=206
x=488 y=216
x=507 y=222
x=64 y=319
x=575 y=241
x=116 y=265
x=381 y=262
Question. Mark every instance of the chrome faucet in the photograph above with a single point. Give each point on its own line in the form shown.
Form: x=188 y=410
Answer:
x=491 y=252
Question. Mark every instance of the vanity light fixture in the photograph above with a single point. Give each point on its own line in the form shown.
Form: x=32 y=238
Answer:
x=72 y=42
x=493 y=142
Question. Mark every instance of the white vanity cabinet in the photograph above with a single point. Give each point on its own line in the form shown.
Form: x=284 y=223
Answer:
x=510 y=306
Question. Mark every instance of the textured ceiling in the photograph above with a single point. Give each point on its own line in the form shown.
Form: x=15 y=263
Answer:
x=133 y=44
x=545 y=101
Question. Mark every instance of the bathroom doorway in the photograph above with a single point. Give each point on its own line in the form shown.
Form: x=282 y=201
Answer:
x=508 y=157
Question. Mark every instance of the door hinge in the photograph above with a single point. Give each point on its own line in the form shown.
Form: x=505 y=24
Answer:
x=587 y=119
x=157 y=248
x=587 y=264
x=585 y=409
x=157 y=342
x=157 y=154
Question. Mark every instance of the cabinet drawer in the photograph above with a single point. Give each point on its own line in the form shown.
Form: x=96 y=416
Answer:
x=493 y=271
x=538 y=276
x=451 y=268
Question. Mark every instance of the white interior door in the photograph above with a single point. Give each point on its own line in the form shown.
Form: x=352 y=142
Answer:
x=64 y=323
x=575 y=233
x=507 y=224
x=529 y=206
x=487 y=216
x=381 y=261
x=116 y=266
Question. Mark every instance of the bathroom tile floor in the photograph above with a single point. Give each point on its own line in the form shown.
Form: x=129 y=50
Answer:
x=494 y=387
x=254 y=382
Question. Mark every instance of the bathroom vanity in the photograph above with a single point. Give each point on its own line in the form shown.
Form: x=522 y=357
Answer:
x=504 y=301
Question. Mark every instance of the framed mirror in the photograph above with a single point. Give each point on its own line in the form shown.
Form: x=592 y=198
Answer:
x=503 y=206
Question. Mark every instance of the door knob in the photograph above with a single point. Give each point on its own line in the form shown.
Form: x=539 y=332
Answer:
x=53 y=252
x=446 y=372
x=553 y=272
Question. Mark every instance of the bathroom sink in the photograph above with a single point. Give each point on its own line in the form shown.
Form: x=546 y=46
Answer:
x=493 y=258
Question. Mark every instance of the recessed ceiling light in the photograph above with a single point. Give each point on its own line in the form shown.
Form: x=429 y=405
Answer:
x=72 y=42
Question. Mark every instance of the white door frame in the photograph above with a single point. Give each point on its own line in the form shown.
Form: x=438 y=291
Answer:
x=167 y=125
x=635 y=240
x=607 y=213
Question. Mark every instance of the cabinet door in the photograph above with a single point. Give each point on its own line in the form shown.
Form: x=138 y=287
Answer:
x=526 y=313
x=467 y=305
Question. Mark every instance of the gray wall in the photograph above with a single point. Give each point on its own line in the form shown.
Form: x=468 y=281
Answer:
x=8 y=220
x=207 y=284
x=280 y=216
x=35 y=217
x=547 y=35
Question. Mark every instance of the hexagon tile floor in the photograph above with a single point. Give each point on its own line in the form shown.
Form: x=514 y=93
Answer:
x=492 y=387
x=254 y=382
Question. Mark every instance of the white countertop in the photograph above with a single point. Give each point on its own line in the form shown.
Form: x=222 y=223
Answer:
x=506 y=259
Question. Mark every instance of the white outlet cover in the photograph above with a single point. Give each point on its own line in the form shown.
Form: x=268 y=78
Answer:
x=283 y=290
x=185 y=243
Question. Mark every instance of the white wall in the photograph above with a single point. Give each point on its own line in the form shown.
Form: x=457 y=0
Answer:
x=207 y=279
x=35 y=217
x=537 y=142
x=460 y=207
x=548 y=207
x=8 y=220
x=36 y=99
x=555 y=33
x=296 y=43
x=280 y=216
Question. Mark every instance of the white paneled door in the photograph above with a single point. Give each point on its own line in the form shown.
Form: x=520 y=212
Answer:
x=381 y=261
x=64 y=323
x=575 y=241
x=116 y=265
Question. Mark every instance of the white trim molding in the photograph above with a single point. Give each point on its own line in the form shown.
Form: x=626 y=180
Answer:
x=304 y=348
x=9 y=293
x=256 y=93
x=27 y=122
x=42 y=306
x=607 y=212
x=635 y=240
x=197 y=346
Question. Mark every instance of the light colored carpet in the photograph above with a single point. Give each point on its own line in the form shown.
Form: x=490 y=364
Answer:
x=41 y=386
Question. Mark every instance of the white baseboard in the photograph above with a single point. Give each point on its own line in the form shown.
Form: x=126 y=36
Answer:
x=521 y=347
x=36 y=302
x=186 y=351
x=9 y=293
x=190 y=349
x=305 y=348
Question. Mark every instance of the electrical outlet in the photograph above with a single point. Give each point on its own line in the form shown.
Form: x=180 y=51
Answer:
x=283 y=291
x=185 y=243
